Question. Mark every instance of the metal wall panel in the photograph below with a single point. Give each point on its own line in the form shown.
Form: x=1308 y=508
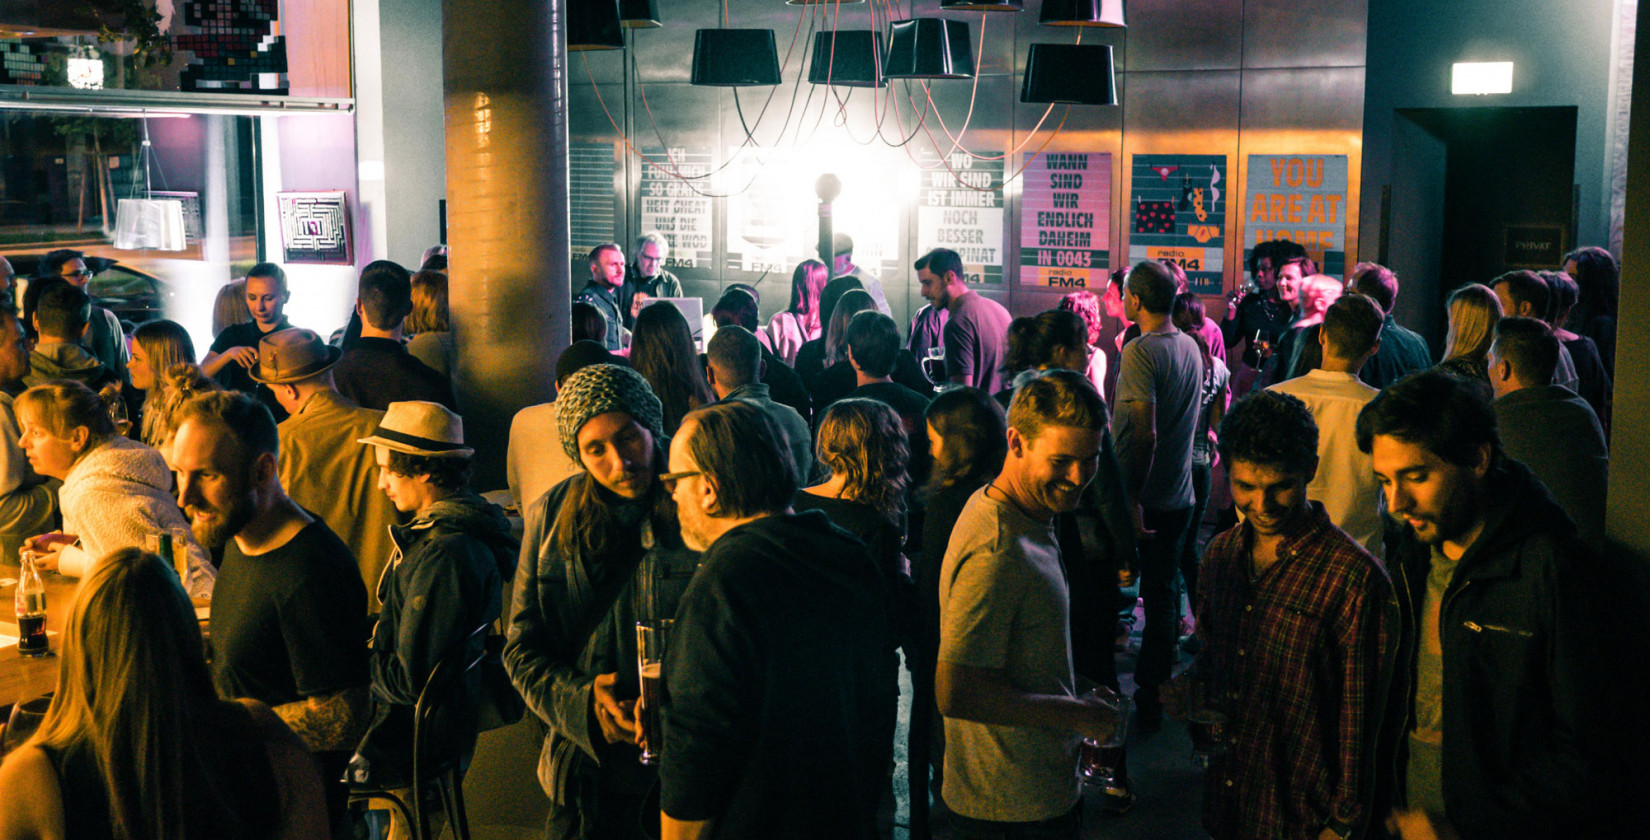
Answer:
x=1288 y=33
x=1177 y=35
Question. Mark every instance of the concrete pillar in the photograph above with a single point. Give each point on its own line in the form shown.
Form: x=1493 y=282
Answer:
x=1630 y=437
x=509 y=294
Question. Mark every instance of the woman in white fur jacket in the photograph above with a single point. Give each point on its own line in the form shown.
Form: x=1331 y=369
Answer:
x=116 y=491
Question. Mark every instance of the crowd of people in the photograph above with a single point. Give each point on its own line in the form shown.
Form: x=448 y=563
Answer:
x=1398 y=627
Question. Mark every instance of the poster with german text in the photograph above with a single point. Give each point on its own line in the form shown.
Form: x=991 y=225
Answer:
x=1178 y=214
x=1065 y=220
x=1301 y=198
x=676 y=200
x=960 y=206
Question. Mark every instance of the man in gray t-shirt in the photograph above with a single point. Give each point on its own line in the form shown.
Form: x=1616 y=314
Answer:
x=975 y=335
x=1158 y=397
x=1004 y=681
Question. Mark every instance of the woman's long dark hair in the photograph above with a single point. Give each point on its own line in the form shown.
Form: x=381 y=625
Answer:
x=662 y=351
x=975 y=432
x=586 y=525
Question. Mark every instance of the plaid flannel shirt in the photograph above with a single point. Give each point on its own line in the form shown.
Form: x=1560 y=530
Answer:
x=1299 y=653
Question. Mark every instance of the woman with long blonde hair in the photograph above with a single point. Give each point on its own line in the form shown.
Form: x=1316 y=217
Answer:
x=156 y=346
x=116 y=492
x=137 y=744
x=1474 y=311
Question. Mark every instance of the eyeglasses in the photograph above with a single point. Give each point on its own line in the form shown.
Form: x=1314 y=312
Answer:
x=77 y=275
x=669 y=479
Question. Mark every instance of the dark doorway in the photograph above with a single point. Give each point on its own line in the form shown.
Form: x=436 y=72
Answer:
x=1473 y=190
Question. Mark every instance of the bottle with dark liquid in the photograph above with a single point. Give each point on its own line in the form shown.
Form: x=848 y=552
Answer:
x=30 y=603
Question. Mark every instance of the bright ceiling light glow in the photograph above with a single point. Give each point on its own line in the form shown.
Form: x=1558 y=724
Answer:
x=1481 y=77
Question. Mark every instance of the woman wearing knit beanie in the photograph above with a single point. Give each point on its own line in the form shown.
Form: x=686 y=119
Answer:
x=602 y=551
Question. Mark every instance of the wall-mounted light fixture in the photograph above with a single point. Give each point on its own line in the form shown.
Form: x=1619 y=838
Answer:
x=1481 y=77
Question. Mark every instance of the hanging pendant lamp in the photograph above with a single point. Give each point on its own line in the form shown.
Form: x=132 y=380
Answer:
x=982 y=5
x=1069 y=74
x=929 y=48
x=1108 y=13
x=847 y=57
x=735 y=58
x=639 y=14
x=593 y=25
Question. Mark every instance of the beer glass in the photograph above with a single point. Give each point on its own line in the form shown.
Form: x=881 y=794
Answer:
x=651 y=637
x=1206 y=722
x=1099 y=759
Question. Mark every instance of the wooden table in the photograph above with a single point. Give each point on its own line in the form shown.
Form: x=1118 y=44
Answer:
x=23 y=677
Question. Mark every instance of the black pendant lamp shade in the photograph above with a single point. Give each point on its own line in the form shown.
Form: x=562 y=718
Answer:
x=847 y=57
x=982 y=5
x=593 y=25
x=735 y=58
x=639 y=14
x=929 y=48
x=1070 y=74
x=1107 y=13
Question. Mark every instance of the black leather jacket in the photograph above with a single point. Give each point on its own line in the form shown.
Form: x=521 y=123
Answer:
x=1526 y=692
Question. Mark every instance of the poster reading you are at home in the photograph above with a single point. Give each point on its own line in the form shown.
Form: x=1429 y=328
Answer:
x=1178 y=214
x=1301 y=198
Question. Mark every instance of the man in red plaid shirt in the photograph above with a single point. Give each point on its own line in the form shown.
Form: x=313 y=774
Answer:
x=1293 y=615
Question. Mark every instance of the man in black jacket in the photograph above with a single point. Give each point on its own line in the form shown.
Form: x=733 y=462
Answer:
x=779 y=691
x=1497 y=725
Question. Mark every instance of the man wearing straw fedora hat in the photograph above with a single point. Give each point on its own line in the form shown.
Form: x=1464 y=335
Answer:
x=445 y=576
x=322 y=468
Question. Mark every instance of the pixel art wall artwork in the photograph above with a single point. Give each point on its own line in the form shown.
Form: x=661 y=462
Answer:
x=237 y=46
x=1179 y=215
x=315 y=227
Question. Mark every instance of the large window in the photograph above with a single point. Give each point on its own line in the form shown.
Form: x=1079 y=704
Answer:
x=167 y=206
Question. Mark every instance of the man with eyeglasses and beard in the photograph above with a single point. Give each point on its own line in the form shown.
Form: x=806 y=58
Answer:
x=779 y=691
x=289 y=612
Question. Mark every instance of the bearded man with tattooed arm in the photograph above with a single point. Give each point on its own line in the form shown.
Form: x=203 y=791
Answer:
x=291 y=627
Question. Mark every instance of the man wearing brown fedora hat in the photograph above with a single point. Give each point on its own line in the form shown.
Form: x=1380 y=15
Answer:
x=446 y=574
x=322 y=468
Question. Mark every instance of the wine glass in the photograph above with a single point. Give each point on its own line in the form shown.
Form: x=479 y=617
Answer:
x=24 y=720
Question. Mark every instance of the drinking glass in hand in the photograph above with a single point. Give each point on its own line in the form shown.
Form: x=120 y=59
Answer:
x=24 y=721
x=1099 y=759
x=1206 y=722
x=651 y=637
